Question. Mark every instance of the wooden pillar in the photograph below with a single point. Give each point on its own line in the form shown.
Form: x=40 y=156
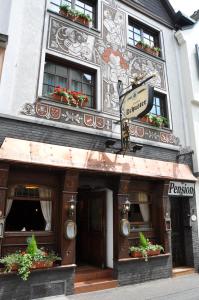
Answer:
x=71 y=182
x=4 y=170
x=162 y=210
x=123 y=191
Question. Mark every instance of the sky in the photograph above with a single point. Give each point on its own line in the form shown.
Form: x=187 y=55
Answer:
x=187 y=7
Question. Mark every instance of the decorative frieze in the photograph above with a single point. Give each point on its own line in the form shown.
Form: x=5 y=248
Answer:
x=68 y=115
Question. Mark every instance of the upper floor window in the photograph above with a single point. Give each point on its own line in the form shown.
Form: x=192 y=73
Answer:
x=159 y=105
x=86 y=7
x=71 y=78
x=139 y=34
x=158 y=116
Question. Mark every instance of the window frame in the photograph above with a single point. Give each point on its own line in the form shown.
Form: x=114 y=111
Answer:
x=34 y=198
x=73 y=66
x=73 y=5
x=137 y=223
x=163 y=104
x=144 y=29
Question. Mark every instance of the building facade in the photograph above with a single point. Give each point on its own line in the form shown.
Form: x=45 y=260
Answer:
x=59 y=108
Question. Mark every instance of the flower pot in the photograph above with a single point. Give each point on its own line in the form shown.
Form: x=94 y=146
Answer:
x=78 y=19
x=139 y=46
x=153 y=252
x=56 y=97
x=136 y=254
x=14 y=267
x=41 y=264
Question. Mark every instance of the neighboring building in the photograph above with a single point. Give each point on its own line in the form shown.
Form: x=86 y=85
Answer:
x=53 y=152
x=188 y=41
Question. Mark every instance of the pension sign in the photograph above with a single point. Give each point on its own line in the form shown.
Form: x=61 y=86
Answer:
x=185 y=189
x=138 y=102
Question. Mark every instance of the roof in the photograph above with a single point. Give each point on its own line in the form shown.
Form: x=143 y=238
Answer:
x=16 y=150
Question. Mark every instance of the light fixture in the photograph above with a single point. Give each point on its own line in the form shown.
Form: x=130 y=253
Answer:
x=72 y=206
x=2 y=222
x=126 y=206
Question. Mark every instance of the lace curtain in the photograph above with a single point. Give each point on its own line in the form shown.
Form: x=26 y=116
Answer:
x=144 y=206
x=11 y=193
x=46 y=206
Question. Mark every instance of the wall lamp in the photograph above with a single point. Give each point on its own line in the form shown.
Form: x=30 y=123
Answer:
x=126 y=207
x=72 y=207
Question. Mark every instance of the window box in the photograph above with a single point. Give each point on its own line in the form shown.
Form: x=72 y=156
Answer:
x=32 y=258
x=71 y=98
x=74 y=15
x=145 y=248
x=155 y=51
x=154 y=120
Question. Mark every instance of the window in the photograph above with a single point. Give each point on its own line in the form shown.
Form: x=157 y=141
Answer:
x=159 y=105
x=71 y=78
x=138 y=32
x=29 y=208
x=86 y=7
x=140 y=211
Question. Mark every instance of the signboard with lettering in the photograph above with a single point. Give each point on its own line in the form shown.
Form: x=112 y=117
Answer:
x=185 y=189
x=138 y=102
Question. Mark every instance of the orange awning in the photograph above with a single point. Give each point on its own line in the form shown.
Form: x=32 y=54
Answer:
x=65 y=157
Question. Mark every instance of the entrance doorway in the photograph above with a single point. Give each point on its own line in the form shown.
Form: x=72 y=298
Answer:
x=91 y=227
x=181 y=237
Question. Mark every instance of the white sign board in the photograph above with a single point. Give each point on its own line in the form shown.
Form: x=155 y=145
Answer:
x=138 y=102
x=185 y=189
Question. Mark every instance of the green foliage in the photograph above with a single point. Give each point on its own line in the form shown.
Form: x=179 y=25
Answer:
x=74 y=12
x=32 y=245
x=143 y=241
x=145 y=246
x=145 y=46
x=159 y=121
x=23 y=260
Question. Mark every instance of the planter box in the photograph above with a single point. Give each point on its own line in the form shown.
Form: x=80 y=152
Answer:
x=77 y=19
x=136 y=254
x=148 y=50
x=41 y=264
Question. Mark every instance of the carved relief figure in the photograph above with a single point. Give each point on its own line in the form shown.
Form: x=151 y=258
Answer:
x=75 y=42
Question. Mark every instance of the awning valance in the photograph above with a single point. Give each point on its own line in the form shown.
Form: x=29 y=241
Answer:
x=23 y=151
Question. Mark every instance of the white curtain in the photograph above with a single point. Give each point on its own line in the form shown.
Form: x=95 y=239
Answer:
x=144 y=206
x=46 y=206
x=11 y=193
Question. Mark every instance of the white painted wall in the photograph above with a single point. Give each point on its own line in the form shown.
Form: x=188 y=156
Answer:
x=22 y=56
x=22 y=64
x=189 y=76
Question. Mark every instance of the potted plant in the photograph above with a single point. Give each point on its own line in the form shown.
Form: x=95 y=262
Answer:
x=145 y=248
x=32 y=258
x=68 y=97
x=74 y=15
x=158 y=121
x=154 y=120
x=147 y=48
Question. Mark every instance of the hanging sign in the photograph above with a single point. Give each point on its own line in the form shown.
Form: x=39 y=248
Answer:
x=185 y=189
x=138 y=102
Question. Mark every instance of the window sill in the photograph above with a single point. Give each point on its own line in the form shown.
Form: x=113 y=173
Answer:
x=121 y=260
x=84 y=26
x=144 y=52
x=49 y=100
x=28 y=233
x=145 y=124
